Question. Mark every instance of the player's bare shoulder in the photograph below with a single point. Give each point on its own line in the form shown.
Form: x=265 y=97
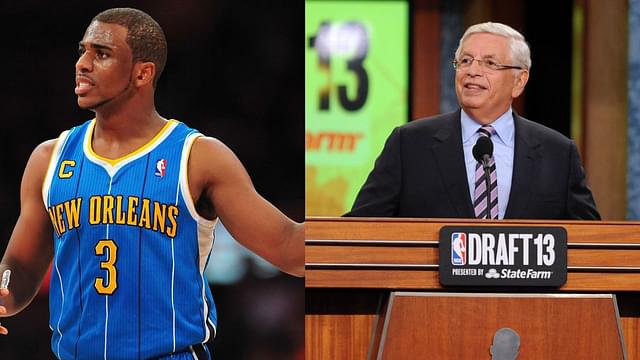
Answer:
x=212 y=163
x=40 y=157
x=206 y=145
x=212 y=156
x=45 y=149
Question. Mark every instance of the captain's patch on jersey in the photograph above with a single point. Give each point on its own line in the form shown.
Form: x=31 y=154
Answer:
x=161 y=166
x=66 y=169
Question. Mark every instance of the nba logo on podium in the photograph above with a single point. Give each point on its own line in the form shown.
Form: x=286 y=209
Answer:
x=458 y=248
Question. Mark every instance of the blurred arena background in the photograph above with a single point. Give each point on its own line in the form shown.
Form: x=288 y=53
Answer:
x=234 y=72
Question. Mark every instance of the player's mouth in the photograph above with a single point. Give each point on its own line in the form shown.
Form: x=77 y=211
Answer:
x=83 y=84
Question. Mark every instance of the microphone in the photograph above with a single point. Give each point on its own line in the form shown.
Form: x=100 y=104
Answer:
x=483 y=150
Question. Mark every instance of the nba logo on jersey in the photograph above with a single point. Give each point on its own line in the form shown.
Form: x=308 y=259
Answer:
x=161 y=166
x=458 y=248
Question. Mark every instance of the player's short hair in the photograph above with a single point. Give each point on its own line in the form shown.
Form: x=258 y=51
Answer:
x=144 y=35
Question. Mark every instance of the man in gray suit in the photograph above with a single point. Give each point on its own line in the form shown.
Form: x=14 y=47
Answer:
x=428 y=169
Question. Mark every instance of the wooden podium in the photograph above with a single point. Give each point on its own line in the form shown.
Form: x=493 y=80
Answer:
x=373 y=292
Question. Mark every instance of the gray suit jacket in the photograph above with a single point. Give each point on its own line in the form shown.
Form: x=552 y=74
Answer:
x=421 y=173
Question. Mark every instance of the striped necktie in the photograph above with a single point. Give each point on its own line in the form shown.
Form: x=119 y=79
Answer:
x=480 y=195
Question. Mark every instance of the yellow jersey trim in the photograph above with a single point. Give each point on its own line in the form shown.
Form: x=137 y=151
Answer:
x=114 y=162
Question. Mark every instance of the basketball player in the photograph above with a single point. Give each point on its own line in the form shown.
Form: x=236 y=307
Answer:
x=131 y=200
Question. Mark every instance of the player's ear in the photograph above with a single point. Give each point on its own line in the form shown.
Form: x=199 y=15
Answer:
x=144 y=73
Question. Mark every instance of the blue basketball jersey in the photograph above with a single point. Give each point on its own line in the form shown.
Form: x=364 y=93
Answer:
x=130 y=249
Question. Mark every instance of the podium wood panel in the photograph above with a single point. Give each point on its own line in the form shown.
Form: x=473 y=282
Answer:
x=379 y=256
x=329 y=254
x=340 y=324
x=411 y=279
x=403 y=253
x=350 y=336
x=461 y=326
x=397 y=229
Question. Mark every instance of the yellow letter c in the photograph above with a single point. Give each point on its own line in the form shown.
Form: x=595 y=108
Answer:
x=65 y=175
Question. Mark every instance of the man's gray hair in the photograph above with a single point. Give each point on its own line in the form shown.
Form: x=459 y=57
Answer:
x=520 y=53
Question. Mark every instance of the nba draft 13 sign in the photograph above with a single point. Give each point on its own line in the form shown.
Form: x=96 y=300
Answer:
x=503 y=256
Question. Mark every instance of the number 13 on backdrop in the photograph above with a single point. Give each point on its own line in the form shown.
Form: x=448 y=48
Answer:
x=356 y=92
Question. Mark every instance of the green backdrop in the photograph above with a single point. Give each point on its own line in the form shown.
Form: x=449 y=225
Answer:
x=356 y=92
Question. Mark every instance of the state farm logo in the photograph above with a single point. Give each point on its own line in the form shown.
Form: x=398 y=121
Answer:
x=492 y=274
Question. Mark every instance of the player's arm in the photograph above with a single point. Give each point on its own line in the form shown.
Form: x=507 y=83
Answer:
x=216 y=173
x=30 y=248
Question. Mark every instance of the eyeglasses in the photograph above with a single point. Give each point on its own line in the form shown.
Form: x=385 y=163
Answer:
x=487 y=64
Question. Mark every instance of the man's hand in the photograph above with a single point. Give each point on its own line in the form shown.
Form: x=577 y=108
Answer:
x=3 y=294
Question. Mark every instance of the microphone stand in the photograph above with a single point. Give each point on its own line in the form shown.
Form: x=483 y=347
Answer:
x=482 y=151
x=487 y=169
